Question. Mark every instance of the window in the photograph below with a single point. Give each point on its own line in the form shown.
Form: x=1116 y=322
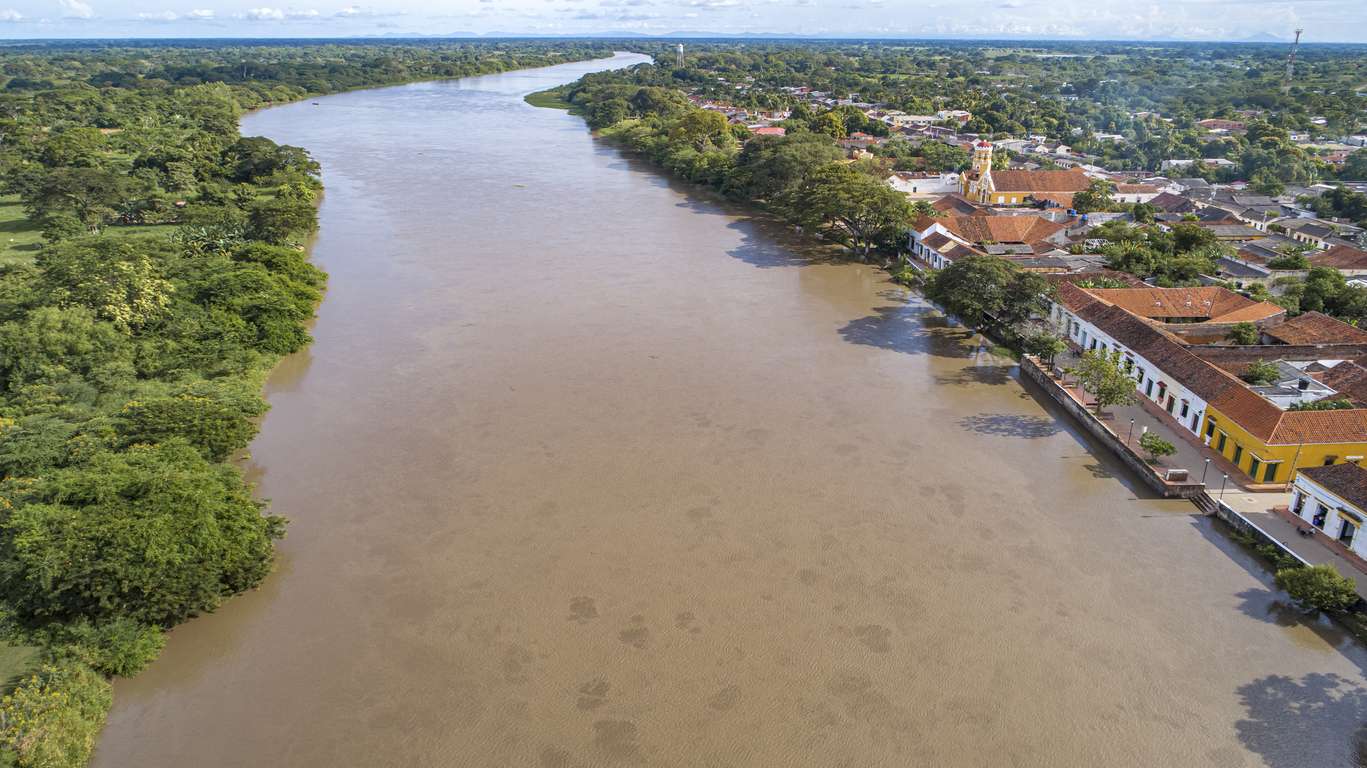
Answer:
x=1270 y=474
x=1001 y=198
x=1210 y=428
x=1346 y=533
x=1238 y=454
x=1140 y=379
x=1321 y=512
x=1172 y=401
x=1185 y=409
x=1148 y=389
x=1162 y=391
x=1297 y=503
x=1093 y=344
x=1221 y=446
x=1195 y=422
x=1329 y=461
x=1253 y=465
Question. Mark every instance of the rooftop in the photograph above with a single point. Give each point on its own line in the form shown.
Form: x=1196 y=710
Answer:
x=1348 y=481
x=1314 y=328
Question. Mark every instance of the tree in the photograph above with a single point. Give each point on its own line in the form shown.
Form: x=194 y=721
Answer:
x=60 y=228
x=1044 y=344
x=1294 y=261
x=770 y=166
x=1261 y=373
x=698 y=128
x=1096 y=197
x=1318 y=587
x=1105 y=376
x=843 y=199
x=276 y=221
x=88 y=193
x=1244 y=334
x=1156 y=446
x=829 y=124
x=971 y=286
x=257 y=157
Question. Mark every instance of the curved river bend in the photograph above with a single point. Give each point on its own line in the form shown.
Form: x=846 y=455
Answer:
x=586 y=468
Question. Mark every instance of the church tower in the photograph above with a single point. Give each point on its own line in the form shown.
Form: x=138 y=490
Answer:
x=982 y=156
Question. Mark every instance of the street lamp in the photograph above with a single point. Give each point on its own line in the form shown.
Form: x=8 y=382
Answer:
x=1127 y=437
x=1222 y=485
x=1207 y=469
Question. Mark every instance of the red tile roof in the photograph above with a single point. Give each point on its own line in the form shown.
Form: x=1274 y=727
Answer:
x=1204 y=302
x=1000 y=229
x=1313 y=328
x=1347 y=481
x=1349 y=380
x=1071 y=180
x=1341 y=257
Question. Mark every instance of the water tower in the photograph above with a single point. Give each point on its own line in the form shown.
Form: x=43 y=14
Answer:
x=680 y=59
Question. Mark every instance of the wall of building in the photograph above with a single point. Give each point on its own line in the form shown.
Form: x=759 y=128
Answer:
x=1310 y=455
x=1309 y=496
x=1234 y=354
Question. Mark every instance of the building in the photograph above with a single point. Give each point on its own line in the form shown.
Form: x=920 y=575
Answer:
x=1334 y=499
x=1167 y=334
x=941 y=240
x=987 y=186
x=923 y=183
x=1135 y=193
x=1233 y=126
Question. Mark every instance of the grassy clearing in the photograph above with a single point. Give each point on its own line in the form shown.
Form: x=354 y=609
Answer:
x=20 y=238
x=552 y=99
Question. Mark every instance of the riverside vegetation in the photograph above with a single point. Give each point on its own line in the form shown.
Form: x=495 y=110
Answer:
x=135 y=334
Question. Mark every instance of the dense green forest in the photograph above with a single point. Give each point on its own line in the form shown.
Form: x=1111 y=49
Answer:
x=1151 y=94
x=157 y=277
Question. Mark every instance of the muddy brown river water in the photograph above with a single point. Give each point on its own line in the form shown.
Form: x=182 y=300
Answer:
x=586 y=468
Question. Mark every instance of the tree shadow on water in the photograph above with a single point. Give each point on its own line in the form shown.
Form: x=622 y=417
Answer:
x=1314 y=721
x=911 y=331
x=1267 y=605
x=1003 y=425
x=976 y=374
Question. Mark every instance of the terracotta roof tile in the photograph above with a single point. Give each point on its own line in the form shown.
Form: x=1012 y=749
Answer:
x=1204 y=302
x=1260 y=311
x=1321 y=427
x=1350 y=380
x=1071 y=180
x=1347 y=481
x=1341 y=257
x=1000 y=229
x=935 y=241
x=1313 y=328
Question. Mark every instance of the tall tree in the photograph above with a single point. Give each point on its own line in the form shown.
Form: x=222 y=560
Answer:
x=840 y=198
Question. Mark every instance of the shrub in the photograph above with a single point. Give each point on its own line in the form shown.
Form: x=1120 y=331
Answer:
x=52 y=718
x=1261 y=373
x=1245 y=334
x=1156 y=446
x=1318 y=587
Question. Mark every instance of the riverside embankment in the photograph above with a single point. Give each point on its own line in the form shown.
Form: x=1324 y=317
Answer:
x=586 y=468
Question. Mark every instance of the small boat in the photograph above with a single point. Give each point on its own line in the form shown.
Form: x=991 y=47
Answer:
x=315 y=103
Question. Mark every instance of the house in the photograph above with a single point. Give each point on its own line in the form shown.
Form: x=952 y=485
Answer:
x=913 y=183
x=1012 y=187
x=1265 y=440
x=769 y=130
x=933 y=239
x=1135 y=193
x=1333 y=498
x=1233 y=126
x=1352 y=262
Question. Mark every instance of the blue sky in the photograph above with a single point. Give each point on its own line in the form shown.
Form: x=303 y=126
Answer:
x=1323 y=20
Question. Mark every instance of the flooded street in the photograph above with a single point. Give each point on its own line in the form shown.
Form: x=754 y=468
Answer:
x=586 y=468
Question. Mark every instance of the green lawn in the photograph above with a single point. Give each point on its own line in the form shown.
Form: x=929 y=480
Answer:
x=19 y=237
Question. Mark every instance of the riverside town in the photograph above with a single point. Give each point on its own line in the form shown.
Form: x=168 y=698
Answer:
x=638 y=397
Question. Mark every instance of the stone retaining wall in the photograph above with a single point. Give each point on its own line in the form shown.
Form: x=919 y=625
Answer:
x=1101 y=432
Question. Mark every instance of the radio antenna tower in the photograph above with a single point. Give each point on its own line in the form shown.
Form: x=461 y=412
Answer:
x=680 y=59
x=1291 y=63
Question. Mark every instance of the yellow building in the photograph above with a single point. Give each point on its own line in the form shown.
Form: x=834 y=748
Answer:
x=984 y=185
x=1269 y=444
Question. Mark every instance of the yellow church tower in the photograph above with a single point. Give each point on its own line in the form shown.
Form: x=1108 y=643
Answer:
x=982 y=157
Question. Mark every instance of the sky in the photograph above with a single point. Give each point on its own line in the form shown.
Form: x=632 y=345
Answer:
x=1323 y=20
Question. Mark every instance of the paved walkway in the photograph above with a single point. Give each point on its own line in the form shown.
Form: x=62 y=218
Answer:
x=1317 y=550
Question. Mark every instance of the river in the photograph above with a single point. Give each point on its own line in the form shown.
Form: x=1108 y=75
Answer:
x=588 y=468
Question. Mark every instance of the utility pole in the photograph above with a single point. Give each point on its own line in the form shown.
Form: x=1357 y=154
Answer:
x=1291 y=63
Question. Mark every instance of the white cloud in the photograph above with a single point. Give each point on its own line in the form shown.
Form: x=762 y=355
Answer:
x=301 y=14
x=1013 y=4
x=690 y=15
x=73 y=9
x=259 y=14
x=164 y=16
x=615 y=3
x=10 y=15
x=199 y=15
